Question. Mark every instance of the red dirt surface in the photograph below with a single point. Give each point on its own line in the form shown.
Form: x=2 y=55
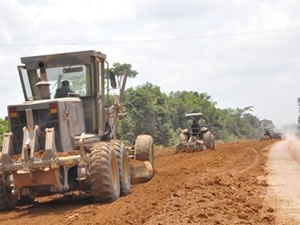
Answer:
x=223 y=186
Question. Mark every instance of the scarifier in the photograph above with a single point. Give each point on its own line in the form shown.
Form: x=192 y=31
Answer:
x=58 y=145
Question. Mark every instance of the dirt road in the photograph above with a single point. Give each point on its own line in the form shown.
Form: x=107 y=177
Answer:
x=228 y=185
x=284 y=168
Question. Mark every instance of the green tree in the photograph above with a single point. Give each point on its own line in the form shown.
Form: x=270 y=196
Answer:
x=147 y=113
x=3 y=129
x=150 y=111
x=118 y=70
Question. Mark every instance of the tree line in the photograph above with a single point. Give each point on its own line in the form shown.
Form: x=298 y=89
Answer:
x=150 y=111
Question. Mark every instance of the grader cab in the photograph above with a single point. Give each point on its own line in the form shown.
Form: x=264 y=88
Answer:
x=63 y=139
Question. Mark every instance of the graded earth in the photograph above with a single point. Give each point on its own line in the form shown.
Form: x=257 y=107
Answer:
x=237 y=183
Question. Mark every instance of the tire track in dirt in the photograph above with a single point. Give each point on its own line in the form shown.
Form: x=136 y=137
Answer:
x=221 y=190
x=210 y=187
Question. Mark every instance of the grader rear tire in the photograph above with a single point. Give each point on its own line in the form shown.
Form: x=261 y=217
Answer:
x=8 y=201
x=123 y=164
x=144 y=149
x=26 y=200
x=105 y=178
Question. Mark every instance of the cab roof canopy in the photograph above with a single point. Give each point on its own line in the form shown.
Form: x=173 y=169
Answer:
x=61 y=59
x=199 y=114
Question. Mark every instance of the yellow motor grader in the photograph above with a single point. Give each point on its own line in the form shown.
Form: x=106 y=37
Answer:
x=62 y=138
x=197 y=138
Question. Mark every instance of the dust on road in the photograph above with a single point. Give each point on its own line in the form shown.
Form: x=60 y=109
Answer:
x=284 y=186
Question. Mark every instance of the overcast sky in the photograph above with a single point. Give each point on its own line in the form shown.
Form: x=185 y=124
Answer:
x=240 y=52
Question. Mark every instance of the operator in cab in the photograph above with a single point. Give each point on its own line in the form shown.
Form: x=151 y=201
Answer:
x=195 y=127
x=64 y=90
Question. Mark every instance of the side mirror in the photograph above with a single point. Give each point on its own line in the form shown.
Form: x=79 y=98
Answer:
x=112 y=79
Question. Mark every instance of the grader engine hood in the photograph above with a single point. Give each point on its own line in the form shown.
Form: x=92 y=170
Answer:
x=64 y=115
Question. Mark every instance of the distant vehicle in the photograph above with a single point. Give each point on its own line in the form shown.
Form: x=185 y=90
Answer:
x=270 y=134
x=196 y=138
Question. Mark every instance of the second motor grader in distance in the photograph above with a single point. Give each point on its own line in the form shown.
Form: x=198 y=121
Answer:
x=58 y=145
x=196 y=138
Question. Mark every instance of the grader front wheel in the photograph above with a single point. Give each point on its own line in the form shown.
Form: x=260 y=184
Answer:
x=142 y=166
x=141 y=171
x=144 y=150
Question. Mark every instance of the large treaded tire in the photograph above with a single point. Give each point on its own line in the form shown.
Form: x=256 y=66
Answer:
x=105 y=179
x=208 y=139
x=183 y=138
x=123 y=164
x=8 y=201
x=144 y=149
x=141 y=171
x=26 y=200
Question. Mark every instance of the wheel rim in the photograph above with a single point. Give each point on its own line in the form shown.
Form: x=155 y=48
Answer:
x=125 y=169
x=9 y=190
x=114 y=170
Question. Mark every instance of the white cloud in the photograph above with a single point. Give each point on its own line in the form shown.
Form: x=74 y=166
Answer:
x=228 y=49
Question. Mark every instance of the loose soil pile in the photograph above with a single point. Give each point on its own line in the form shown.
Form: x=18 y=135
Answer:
x=222 y=186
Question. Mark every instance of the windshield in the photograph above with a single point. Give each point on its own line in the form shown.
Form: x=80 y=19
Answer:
x=76 y=76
